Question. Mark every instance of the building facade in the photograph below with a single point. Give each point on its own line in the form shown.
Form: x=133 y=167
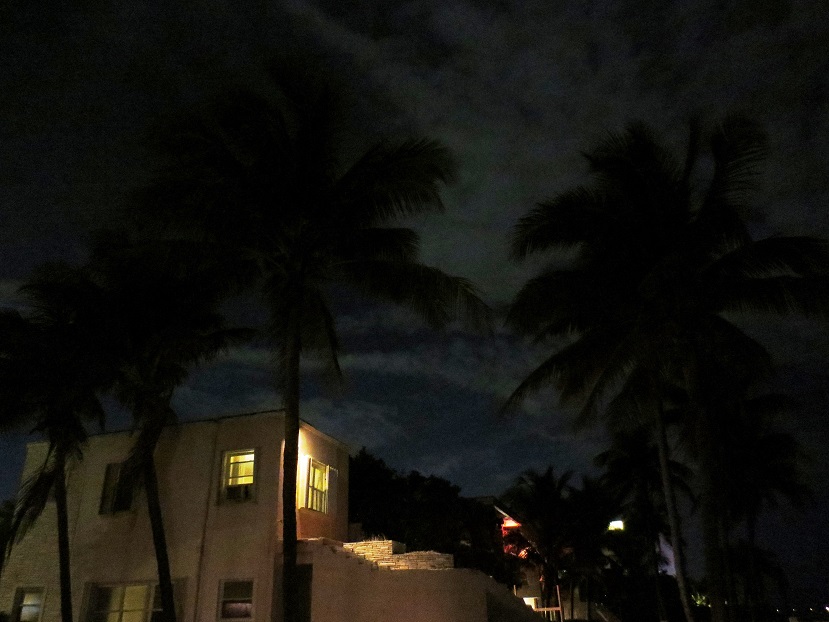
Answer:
x=220 y=490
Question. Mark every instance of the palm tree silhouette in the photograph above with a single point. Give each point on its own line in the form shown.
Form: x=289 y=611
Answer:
x=656 y=263
x=541 y=502
x=54 y=363
x=163 y=319
x=258 y=186
x=632 y=475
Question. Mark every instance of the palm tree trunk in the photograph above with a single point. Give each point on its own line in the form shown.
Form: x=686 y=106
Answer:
x=63 y=538
x=752 y=581
x=162 y=560
x=290 y=587
x=673 y=516
x=711 y=505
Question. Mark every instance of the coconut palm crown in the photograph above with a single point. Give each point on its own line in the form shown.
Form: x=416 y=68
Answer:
x=657 y=262
x=254 y=183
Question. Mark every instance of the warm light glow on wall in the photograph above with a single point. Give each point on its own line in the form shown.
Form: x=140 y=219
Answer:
x=616 y=525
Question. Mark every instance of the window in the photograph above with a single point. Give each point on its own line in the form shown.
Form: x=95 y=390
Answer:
x=237 y=600
x=238 y=475
x=28 y=604
x=116 y=495
x=138 y=602
x=317 y=496
x=131 y=602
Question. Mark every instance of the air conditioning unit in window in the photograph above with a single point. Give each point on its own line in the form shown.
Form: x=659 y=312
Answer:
x=239 y=493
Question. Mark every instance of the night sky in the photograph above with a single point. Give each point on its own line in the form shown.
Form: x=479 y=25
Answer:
x=517 y=90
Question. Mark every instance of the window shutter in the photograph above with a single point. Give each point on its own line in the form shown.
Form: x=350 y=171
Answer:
x=109 y=488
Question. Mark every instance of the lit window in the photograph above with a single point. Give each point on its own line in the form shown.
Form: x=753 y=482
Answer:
x=616 y=525
x=317 y=496
x=28 y=605
x=237 y=600
x=237 y=476
x=116 y=495
x=139 y=602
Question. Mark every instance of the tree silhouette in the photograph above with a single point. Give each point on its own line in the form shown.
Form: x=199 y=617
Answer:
x=541 y=503
x=54 y=362
x=163 y=319
x=656 y=262
x=257 y=185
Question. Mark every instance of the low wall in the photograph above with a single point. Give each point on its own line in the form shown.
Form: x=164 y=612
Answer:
x=392 y=555
x=347 y=587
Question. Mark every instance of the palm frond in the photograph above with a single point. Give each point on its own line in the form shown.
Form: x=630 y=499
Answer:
x=392 y=181
x=572 y=218
x=32 y=499
x=434 y=295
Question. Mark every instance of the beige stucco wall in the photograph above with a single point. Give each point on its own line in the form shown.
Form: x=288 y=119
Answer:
x=347 y=588
x=226 y=540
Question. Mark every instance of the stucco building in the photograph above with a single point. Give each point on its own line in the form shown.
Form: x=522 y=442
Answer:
x=220 y=489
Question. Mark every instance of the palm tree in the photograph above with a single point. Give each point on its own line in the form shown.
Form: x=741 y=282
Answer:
x=6 y=519
x=541 y=502
x=591 y=508
x=257 y=186
x=656 y=263
x=762 y=467
x=163 y=317
x=632 y=474
x=53 y=365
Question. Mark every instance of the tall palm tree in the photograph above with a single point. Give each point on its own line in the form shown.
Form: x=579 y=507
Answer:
x=163 y=319
x=656 y=264
x=54 y=363
x=257 y=185
x=762 y=467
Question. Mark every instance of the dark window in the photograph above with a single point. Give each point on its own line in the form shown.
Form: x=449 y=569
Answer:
x=237 y=600
x=116 y=495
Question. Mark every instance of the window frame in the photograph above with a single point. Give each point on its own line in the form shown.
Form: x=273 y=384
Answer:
x=312 y=493
x=20 y=595
x=115 y=491
x=152 y=599
x=248 y=491
x=222 y=598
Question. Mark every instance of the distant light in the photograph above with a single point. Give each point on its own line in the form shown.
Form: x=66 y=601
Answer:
x=616 y=525
x=509 y=522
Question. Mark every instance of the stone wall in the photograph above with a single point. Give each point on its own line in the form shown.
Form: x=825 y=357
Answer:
x=392 y=555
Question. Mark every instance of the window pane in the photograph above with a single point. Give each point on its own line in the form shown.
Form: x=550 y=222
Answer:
x=237 y=609
x=134 y=616
x=135 y=597
x=29 y=613
x=32 y=597
x=239 y=469
x=106 y=598
x=238 y=590
x=115 y=616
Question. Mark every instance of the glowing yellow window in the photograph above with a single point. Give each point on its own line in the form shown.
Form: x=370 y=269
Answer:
x=317 y=498
x=238 y=474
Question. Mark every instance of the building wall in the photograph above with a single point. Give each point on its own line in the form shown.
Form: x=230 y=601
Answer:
x=209 y=539
x=349 y=588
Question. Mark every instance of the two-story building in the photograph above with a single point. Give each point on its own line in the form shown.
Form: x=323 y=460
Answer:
x=220 y=485
x=220 y=490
